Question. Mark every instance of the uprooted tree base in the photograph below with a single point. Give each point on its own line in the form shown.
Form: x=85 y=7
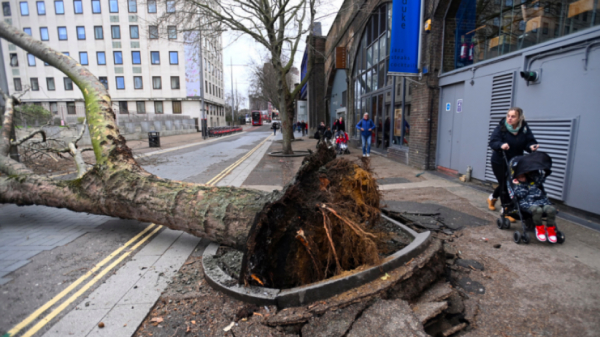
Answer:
x=321 y=225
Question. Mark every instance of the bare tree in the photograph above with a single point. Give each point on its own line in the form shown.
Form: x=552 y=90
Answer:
x=238 y=100
x=278 y=25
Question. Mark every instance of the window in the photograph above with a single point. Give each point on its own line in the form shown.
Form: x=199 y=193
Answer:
x=176 y=107
x=83 y=58
x=44 y=33
x=62 y=33
x=153 y=32
x=27 y=31
x=80 y=33
x=115 y=32
x=101 y=56
x=71 y=108
x=17 y=82
x=134 y=32
x=170 y=6
x=174 y=82
x=155 y=57
x=158 y=107
x=156 y=83
x=118 y=57
x=31 y=60
x=68 y=83
x=173 y=57
x=14 y=60
x=137 y=82
x=113 y=6
x=172 y=31
x=50 y=83
x=104 y=81
x=140 y=107
x=54 y=108
x=132 y=6
x=6 y=8
x=35 y=85
x=123 y=107
x=96 y=6
x=59 y=7
x=135 y=57
x=24 y=8
x=151 y=6
x=78 y=6
x=98 y=33
x=120 y=82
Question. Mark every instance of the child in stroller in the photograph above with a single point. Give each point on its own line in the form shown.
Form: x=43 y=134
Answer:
x=528 y=200
x=341 y=142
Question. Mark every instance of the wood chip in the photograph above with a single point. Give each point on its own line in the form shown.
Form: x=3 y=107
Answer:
x=157 y=319
x=227 y=328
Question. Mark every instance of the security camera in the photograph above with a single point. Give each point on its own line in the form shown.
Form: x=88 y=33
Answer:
x=530 y=76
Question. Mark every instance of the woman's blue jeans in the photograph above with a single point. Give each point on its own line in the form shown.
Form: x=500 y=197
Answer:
x=366 y=141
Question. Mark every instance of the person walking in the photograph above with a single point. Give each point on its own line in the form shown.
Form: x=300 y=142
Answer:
x=305 y=128
x=320 y=133
x=339 y=125
x=366 y=126
x=274 y=127
x=512 y=136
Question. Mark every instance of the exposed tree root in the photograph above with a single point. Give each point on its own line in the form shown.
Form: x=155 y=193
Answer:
x=321 y=226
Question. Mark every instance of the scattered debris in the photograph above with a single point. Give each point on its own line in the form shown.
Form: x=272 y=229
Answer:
x=101 y=325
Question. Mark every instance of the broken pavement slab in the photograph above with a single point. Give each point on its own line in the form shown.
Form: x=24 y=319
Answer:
x=429 y=310
x=469 y=264
x=388 y=319
x=333 y=322
x=438 y=292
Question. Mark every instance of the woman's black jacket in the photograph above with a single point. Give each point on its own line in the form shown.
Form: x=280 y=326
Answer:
x=518 y=143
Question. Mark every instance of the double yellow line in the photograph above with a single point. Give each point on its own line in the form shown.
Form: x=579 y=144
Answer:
x=144 y=235
x=231 y=167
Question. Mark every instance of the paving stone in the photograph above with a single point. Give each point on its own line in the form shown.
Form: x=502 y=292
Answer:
x=427 y=311
x=123 y=320
x=388 y=319
x=334 y=323
x=15 y=266
x=437 y=292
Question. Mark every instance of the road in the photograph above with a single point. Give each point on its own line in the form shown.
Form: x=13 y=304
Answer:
x=45 y=252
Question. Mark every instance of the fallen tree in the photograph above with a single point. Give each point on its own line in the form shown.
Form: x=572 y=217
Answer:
x=318 y=226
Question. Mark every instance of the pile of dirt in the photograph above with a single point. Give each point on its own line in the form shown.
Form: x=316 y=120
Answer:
x=321 y=225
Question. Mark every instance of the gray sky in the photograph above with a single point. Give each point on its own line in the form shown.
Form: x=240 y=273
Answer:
x=242 y=50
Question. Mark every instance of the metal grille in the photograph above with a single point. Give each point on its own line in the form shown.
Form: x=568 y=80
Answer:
x=554 y=137
x=502 y=93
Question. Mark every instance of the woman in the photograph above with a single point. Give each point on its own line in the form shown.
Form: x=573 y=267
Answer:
x=512 y=136
x=339 y=125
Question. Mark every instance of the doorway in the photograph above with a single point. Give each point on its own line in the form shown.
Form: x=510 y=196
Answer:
x=451 y=114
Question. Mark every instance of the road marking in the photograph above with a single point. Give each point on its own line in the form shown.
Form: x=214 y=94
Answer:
x=73 y=285
x=230 y=168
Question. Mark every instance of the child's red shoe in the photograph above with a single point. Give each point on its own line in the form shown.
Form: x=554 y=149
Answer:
x=551 y=231
x=540 y=233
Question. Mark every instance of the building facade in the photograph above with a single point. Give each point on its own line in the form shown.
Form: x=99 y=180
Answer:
x=148 y=69
x=472 y=63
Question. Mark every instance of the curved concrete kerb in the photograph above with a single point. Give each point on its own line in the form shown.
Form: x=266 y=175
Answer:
x=295 y=154
x=284 y=298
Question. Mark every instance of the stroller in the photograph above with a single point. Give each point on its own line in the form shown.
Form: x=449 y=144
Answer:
x=341 y=143
x=538 y=165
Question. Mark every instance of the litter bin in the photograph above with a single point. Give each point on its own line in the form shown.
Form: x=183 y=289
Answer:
x=154 y=139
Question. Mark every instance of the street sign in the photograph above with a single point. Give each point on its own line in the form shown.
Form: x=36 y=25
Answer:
x=406 y=38
x=448 y=106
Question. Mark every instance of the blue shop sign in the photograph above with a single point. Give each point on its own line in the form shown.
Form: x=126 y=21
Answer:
x=405 y=40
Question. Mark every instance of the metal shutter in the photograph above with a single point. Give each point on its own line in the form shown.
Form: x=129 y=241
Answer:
x=554 y=137
x=502 y=93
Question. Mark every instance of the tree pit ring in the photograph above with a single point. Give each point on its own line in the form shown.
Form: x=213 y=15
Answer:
x=295 y=154
x=298 y=296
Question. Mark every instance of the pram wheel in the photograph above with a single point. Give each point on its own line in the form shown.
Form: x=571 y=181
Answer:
x=560 y=237
x=526 y=238
x=499 y=223
x=517 y=237
x=503 y=223
x=506 y=223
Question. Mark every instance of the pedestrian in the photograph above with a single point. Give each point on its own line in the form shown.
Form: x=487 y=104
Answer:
x=512 y=136
x=294 y=127
x=302 y=127
x=320 y=133
x=366 y=126
x=274 y=127
x=305 y=128
x=339 y=125
x=533 y=199
x=328 y=135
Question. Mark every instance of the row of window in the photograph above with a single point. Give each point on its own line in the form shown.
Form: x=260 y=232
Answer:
x=141 y=107
x=59 y=7
x=101 y=58
x=115 y=32
x=119 y=83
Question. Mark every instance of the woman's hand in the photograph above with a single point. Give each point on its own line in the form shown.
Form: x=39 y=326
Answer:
x=361 y=129
x=505 y=146
x=534 y=147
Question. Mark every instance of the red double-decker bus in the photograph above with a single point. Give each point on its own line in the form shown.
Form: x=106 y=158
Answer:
x=256 y=118
x=266 y=118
